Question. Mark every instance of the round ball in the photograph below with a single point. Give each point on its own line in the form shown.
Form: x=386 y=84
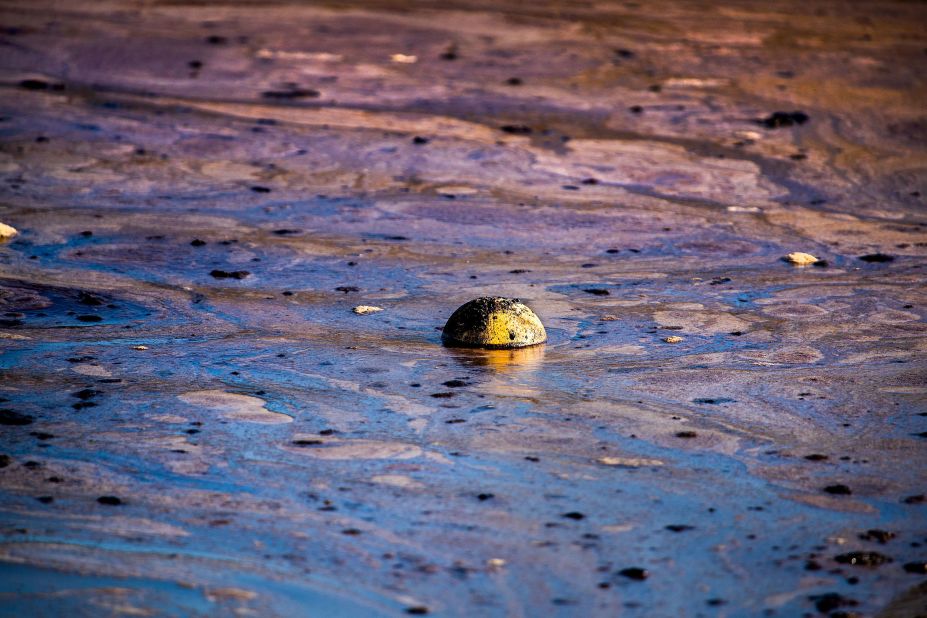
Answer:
x=494 y=322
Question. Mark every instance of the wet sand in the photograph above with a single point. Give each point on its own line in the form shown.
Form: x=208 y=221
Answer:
x=195 y=422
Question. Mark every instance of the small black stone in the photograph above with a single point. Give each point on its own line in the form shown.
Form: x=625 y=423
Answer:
x=635 y=573
x=876 y=258
x=784 y=119
x=863 y=558
x=9 y=417
x=222 y=274
x=825 y=603
x=109 y=500
x=295 y=93
x=516 y=129
x=880 y=536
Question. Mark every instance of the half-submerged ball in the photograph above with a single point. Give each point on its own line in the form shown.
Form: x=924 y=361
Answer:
x=494 y=322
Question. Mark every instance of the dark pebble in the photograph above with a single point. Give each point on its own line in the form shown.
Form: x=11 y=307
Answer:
x=109 y=500
x=455 y=384
x=880 y=536
x=876 y=258
x=863 y=558
x=89 y=318
x=596 y=291
x=418 y=610
x=296 y=93
x=838 y=490
x=635 y=573
x=196 y=242
x=9 y=417
x=45 y=499
x=918 y=567
x=816 y=457
x=826 y=603
x=484 y=497
x=918 y=499
x=575 y=515
x=686 y=434
x=236 y=274
x=419 y=140
x=784 y=119
x=91 y=300
x=260 y=189
x=38 y=84
x=347 y=288
x=679 y=527
x=516 y=129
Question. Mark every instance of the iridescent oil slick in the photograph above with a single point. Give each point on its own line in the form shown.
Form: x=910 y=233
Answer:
x=194 y=420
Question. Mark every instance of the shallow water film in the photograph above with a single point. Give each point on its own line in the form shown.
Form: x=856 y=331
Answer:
x=242 y=226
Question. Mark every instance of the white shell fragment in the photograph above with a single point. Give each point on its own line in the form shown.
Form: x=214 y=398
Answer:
x=7 y=231
x=800 y=259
